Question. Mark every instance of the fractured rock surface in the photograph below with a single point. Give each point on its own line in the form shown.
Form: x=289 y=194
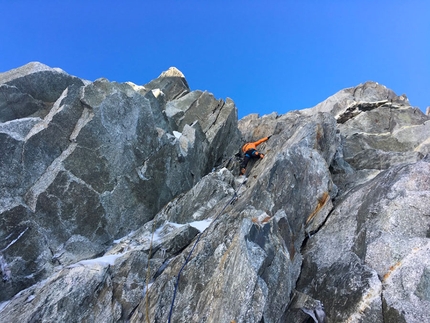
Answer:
x=101 y=163
x=111 y=192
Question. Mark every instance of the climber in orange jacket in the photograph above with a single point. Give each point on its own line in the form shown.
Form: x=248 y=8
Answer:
x=250 y=152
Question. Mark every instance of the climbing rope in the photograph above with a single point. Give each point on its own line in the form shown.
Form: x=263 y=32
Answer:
x=148 y=274
x=148 y=270
x=195 y=243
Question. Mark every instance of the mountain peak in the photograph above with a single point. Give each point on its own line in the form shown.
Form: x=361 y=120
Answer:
x=172 y=72
x=133 y=193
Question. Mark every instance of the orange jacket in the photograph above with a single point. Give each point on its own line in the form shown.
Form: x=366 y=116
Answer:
x=253 y=145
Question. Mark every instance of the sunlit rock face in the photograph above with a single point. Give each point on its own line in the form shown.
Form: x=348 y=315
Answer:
x=123 y=203
x=101 y=162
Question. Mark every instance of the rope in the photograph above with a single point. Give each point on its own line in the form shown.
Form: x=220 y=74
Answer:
x=195 y=243
x=148 y=274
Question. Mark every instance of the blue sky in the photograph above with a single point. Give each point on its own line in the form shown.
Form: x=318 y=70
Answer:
x=265 y=55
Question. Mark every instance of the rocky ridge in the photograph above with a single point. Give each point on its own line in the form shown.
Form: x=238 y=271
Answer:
x=122 y=203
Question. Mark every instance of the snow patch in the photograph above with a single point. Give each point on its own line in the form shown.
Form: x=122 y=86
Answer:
x=102 y=261
x=145 y=289
x=157 y=92
x=163 y=231
x=136 y=87
x=201 y=225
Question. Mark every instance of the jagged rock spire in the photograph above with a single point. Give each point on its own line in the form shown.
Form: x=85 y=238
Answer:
x=172 y=72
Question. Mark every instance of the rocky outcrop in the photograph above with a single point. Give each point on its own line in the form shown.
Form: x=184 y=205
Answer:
x=101 y=163
x=126 y=206
x=31 y=90
x=377 y=235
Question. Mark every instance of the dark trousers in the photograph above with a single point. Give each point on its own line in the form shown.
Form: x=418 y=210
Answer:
x=252 y=153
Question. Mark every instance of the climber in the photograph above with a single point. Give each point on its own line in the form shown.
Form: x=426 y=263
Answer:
x=250 y=152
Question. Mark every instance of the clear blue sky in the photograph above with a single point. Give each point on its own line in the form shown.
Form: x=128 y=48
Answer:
x=265 y=55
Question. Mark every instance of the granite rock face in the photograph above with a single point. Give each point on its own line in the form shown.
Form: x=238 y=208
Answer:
x=369 y=261
x=31 y=90
x=123 y=203
x=101 y=163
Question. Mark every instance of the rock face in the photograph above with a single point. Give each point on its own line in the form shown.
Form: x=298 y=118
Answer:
x=122 y=203
x=101 y=163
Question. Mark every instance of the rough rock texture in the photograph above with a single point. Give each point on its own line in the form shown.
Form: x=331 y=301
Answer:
x=101 y=163
x=331 y=226
x=369 y=262
x=31 y=90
